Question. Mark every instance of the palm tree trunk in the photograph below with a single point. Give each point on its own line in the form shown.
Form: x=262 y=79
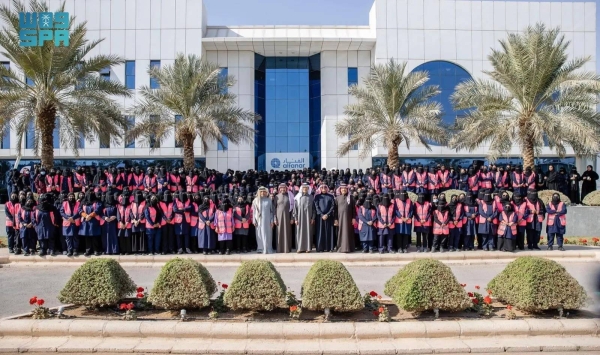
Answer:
x=188 y=150
x=392 y=148
x=46 y=125
x=528 y=154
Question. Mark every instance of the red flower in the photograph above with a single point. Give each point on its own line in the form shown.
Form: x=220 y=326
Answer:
x=376 y=314
x=293 y=308
x=40 y=302
x=373 y=294
x=487 y=300
x=470 y=294
x=595 y=240
x=140 y=289
x=224 y=286
x=475 y=301
x=477 y=287
x=32 y=300
x=140 y=295
x=123 y=306
x=381 y=309
x=463 y=285
x=509 y=307
x=585 y=240
x=130 y=306
x=489 y=292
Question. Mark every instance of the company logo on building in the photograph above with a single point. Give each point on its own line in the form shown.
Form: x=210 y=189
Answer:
x=37 y=28
x=275 y=163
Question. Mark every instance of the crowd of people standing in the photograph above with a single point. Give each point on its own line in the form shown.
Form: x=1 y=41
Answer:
x=131 y=211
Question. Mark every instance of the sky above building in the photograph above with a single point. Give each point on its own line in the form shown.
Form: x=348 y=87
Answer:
x=303 y=12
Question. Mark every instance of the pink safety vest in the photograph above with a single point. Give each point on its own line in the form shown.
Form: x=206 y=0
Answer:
x=223 y=221
x=69 y=213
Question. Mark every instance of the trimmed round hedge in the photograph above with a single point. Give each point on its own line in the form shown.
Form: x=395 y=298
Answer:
x=427 y=284
x=546 y=196
x=328 y=284
x=592 y=199
x=97 y=283
x=534 y=284
x=256 y=286
x=182 y=283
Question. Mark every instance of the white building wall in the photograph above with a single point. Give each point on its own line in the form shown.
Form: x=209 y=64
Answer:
x=464 y=33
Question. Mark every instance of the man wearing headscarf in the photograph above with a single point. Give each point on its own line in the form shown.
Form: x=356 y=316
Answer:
x=304 y=217
x=325 y=208
x=535 y=219
x=557 y=221
x=589 y=178
x=345 y=218
x=284 y=203
x=263 y=216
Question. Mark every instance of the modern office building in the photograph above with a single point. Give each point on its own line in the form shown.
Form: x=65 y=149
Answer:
x=297 y=77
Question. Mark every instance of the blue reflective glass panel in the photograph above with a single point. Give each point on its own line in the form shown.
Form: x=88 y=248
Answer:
x=153 y=83
x=56 y=136
x=352 y=76
x=131 y=123
x=6 y=139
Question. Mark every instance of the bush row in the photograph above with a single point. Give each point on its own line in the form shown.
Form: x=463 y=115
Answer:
x=530 y=284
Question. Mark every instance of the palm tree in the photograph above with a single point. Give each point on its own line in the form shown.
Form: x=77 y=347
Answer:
x=57 y=85
x=195 y=90
x=535 y=95
x=394 y=107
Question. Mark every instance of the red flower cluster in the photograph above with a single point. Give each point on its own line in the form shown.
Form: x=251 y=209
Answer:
x=509 y=307
x=224 y=286
x=595 y=240
x=470 y=294
x=293 y=308
x=140 y=289
x=463 y=285
x=40 y=302
x=373 y=294
x=381 y=309
x=33 y=300
x=140 y=295
x=584 y=241
x=475 y=301
x=487 y=300
x=477 y=287
x=126 y=306
x=566 y=240
x=376 y=314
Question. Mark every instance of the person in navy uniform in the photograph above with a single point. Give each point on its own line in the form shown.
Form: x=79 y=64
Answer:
x=90 y=224
x=556 y=225
x=26 y=221
x=153 y=215
x=71 y=221
x=44 y=221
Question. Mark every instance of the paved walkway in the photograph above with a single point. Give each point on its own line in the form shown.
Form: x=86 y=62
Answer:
x=18 y=284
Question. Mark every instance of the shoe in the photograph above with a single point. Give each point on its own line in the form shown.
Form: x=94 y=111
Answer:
x=220 y=252
x=163 y=253
x=365 y=251
x=372 y=252
x=70 y=253
x=244 y=251
x=180 y=251
x=204 y=253
x=405 y=251
x=549 y=248
x=42 y=253
x=561 y=248
x=227 y=252
x=536 y=248
x=187 y=250
x=26 y=253
x=52 y=253
x=96 y=254
x=442 y=250
x=433 y=250
x=529 y=248
x=381 y=252
x=17 y=251
x=393 y=252
x=75 y=253
x=11 y=251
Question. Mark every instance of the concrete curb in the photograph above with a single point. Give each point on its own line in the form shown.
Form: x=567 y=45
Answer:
x=293 y=259
x=297 y=331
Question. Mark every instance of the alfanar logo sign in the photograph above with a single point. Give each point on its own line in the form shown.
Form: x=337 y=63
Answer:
x=36 y=28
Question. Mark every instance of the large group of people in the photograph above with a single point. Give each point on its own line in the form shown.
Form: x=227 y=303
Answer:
x=131 y=211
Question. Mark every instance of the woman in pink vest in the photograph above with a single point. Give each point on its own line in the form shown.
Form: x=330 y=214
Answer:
x=71 y=222
x=385 y=224
x=182 y=208
x=224 y=226
x=507 y=228
x=110 y=241
x=441 y=219
x=124 y=224
x=535 y=220
x=167 y=231
x=10 y=220
x=522 y=212
x=470 y=221
x=242 y=215
x=153 y=216
x=556 y=226
x=367 y=221
x=455 y=223
x=138 y=223
x=422 y=212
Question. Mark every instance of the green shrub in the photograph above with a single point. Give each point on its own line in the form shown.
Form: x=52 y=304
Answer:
x=412 y=196
x=330 y=285
x=256 y=286
x=534 y=284
x=182 y=283
x=426 y=285
x=546 y=196
x=97 y=283
x=592 y=199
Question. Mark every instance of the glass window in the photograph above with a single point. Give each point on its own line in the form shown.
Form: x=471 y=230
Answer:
x=131 y=123
x=105 y=73
x=153 y=143
x=81 y=140
x=130 y=74
x=56 y=135
x=29 y=136
x=153 y=83
x=352 y=76
x=178 y=144
x=354 y=146
x=224 y=146
x=223 y=79
x=5 y=142
x=29 y=81
x=6 y=65
x=105 y=143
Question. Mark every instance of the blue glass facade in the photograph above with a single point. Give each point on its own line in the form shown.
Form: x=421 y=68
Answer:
x=446 y=75
x=288 y=98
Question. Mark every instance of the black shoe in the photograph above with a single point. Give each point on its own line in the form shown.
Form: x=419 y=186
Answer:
x=244 y=251
x=97 y=254
x=11 y=251
x=75 y=253
x=529 y=248
x=17 y=251
x=561 y=248
x=227 y=252
x=220 y=252
x=52 y=253
x=26 y=253
x=70 y=253
x=180 y=251
x=405 y=251
x=549 y=248
x=204 y=253
x=87 y=253
x=42 y=253
x=536 y=248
